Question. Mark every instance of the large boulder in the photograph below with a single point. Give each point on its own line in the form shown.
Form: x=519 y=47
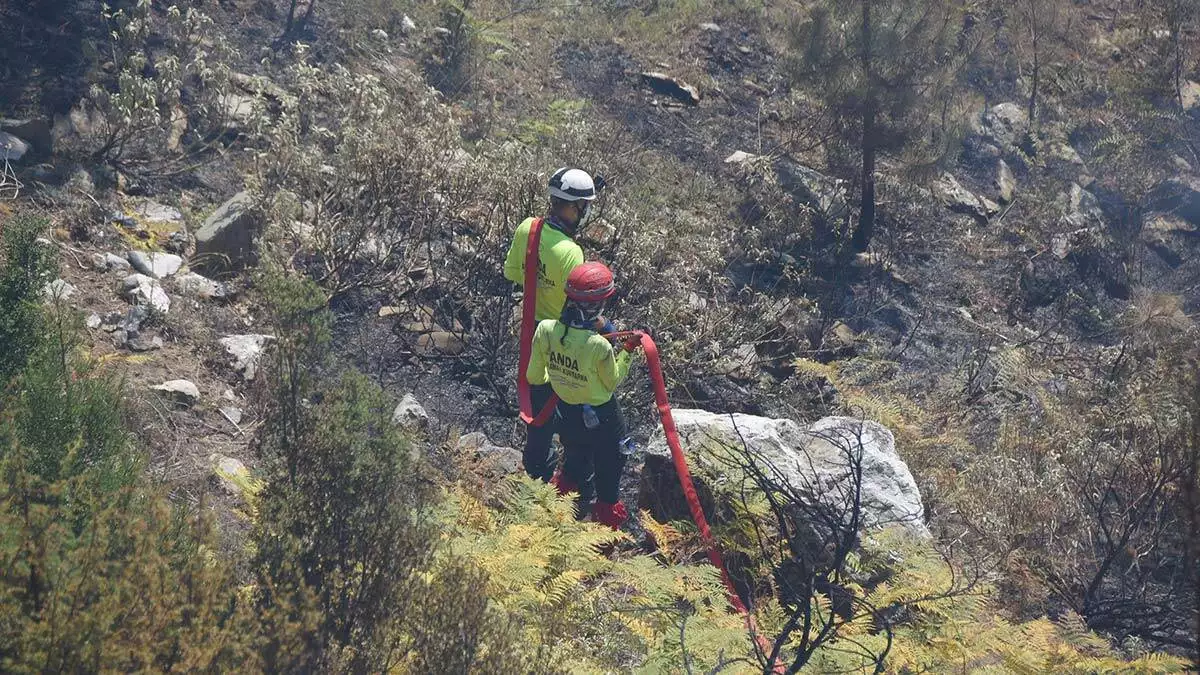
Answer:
x=816 y=461
x=226 y=240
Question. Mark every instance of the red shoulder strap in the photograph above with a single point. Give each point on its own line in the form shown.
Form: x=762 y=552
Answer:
x=528 y=323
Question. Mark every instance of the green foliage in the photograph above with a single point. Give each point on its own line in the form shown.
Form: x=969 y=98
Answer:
x=132 y=117
x=587 y=611
x=26 y=266
x=98 y=572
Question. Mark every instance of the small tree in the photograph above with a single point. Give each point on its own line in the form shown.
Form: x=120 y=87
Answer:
x=886 y=70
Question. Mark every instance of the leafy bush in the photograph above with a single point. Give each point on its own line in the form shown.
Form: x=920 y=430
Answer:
x=141 y=111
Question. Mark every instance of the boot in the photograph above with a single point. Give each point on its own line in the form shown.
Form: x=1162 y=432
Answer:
x=612 y=515
x=563 y=484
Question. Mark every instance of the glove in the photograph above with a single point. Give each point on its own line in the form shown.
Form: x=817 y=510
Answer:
x=632 y=342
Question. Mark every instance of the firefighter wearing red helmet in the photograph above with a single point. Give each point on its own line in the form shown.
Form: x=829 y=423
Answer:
x=584 y=369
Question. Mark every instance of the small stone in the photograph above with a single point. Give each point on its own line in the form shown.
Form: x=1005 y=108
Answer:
x=201 y=287
x=96 y=260
x=1006 y=183
x=141 y=344
x=232 y=475
x=116 y=262
x=471 y=442
x=93 y=321
x=710 y=28
x=740 y=157
x=380 y=34
x=669 y=86
x=12 y=148
x=183 y=392
x=389 y=310
x=151 y=211
x=246 y=351
x=143 y=290
x=410 y=414
x=234 y=415
x=228 y=395
x=440 y=342
x=155 y=265
x=1189 y=95
x=57 y=290
x=407 y=25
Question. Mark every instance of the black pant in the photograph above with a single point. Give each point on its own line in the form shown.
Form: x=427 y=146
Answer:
x=592 y=458
x=539 y=456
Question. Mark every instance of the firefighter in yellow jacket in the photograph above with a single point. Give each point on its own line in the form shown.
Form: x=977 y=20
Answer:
x=584 y=369
x=571 y=193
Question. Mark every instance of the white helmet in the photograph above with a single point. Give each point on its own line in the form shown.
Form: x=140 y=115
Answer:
x=572 y=185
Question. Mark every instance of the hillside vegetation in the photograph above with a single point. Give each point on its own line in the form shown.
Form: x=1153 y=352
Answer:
x=257 y=355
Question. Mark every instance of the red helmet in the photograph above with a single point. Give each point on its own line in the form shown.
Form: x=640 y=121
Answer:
x=590 y=282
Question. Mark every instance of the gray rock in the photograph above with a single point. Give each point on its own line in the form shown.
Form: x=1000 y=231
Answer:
x=1190 y=95
x=200 y=287
x=226 y=240
x=247 y=351
x=740 y=157
x=234 y=415
x=961 y=200
x=146 y=291
x=380 y=34
x=407 y=25
x=116 y=262
x=35 y=131
x=238 y=111
x=821 y=193
x=471 y=442
x=812 y=460
x=1005 y=125
x=1181 y=196
x=141 y=344
x=93 y=321
x=155 y=265
x=151 y=211
x=12 y=148
x=1006 y=183
x=440 y=342
x=498 y=459
x=710 y=28
x=668 y=86
x=1063 y=152
x=1082 y=209
x=231 y=475
x=182 y=392
x=741 y=363
x=410 y=415
x=58 y=289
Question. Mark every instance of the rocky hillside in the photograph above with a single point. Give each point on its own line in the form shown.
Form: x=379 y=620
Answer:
x=945 y=285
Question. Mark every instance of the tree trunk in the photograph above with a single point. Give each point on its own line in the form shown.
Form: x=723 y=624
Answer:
x=866 y=211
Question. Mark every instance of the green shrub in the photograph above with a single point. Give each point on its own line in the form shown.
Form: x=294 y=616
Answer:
x=25 y=267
